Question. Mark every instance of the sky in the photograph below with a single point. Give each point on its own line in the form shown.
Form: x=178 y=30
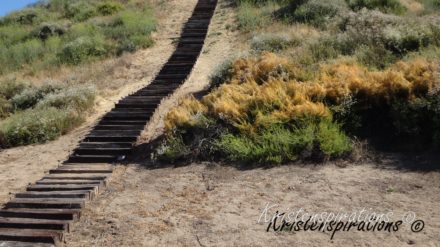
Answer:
x=7 y=6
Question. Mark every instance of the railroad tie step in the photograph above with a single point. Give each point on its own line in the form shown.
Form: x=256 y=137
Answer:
x=28 y=223
x=55 y=194
x=63 y=203
x=31 y=236
x=38 y=213
x=80 y=158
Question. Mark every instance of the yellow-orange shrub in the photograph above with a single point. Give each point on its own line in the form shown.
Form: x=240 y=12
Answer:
x=265 y=90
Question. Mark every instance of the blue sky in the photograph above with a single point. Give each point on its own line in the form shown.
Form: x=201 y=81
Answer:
x=7 y=6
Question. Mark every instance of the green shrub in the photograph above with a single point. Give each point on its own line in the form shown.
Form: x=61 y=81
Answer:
x=172 y=149
x=387 y=6
x=37 y=126
x=46 y=30
x=135 y=43
x=82 y=49
x=12 y=34
x=5 y=107
x=24 y=53
x=272 y=43
x=332 y=141
x=274 y=145
x=317 y=12
x=29 y=97
x=250 y=17
x=82 y=29
x=130 y=23
x=377 y=57
x=9 y=89
x=80 y=11
x=24 y=17
x=79 y=99
x=109 y=8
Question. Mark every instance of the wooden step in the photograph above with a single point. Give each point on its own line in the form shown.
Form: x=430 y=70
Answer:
x=26 y=223
x=32 y=236
x=70 y=203
x=33 y=213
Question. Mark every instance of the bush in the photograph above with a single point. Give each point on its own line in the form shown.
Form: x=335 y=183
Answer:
x=109 y=8
x=24 y=53
x=129 y=23
x=387 y=6
x=23 y=17
x=82 y=49
x=317 y=12
x=396 y=34
x=46 y=30
x=272 y=43
x=37 y=126
x=79 y=99
x=30 y=96
x=250 y=17
x=332 y=141
x=80 y=11
x=274 y=145
x=135 y=43
x=12 y=34
x=5 y=107
x=172 y=149
x=377 y=57
x=9 y=89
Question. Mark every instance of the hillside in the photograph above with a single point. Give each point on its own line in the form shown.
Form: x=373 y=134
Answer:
x=317 y=79
x=53 y=57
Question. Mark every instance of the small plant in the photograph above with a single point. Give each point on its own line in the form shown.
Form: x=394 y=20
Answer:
x=80 y=11
x=332 y=141
x=272 y=43
x=82 y=49
x=172 y=149
x=316 y=12
x=79 y=99
x=387 y=6
x=109 y=8
x=29 y=97
x=250 y=17
x=37 y=126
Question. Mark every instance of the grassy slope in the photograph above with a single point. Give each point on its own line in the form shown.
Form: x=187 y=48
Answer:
x=343 y=70
x=59 y=34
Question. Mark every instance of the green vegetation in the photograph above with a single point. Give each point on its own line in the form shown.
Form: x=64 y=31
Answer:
x=318 y=75
x=54 y=35
x=39 y=114
x=72 y=32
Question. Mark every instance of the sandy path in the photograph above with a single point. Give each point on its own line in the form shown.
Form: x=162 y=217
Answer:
x=212 y=205
x=23 y=165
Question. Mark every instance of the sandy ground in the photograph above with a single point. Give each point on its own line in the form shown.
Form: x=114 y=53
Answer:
x=119 y=77
x=213 y=205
